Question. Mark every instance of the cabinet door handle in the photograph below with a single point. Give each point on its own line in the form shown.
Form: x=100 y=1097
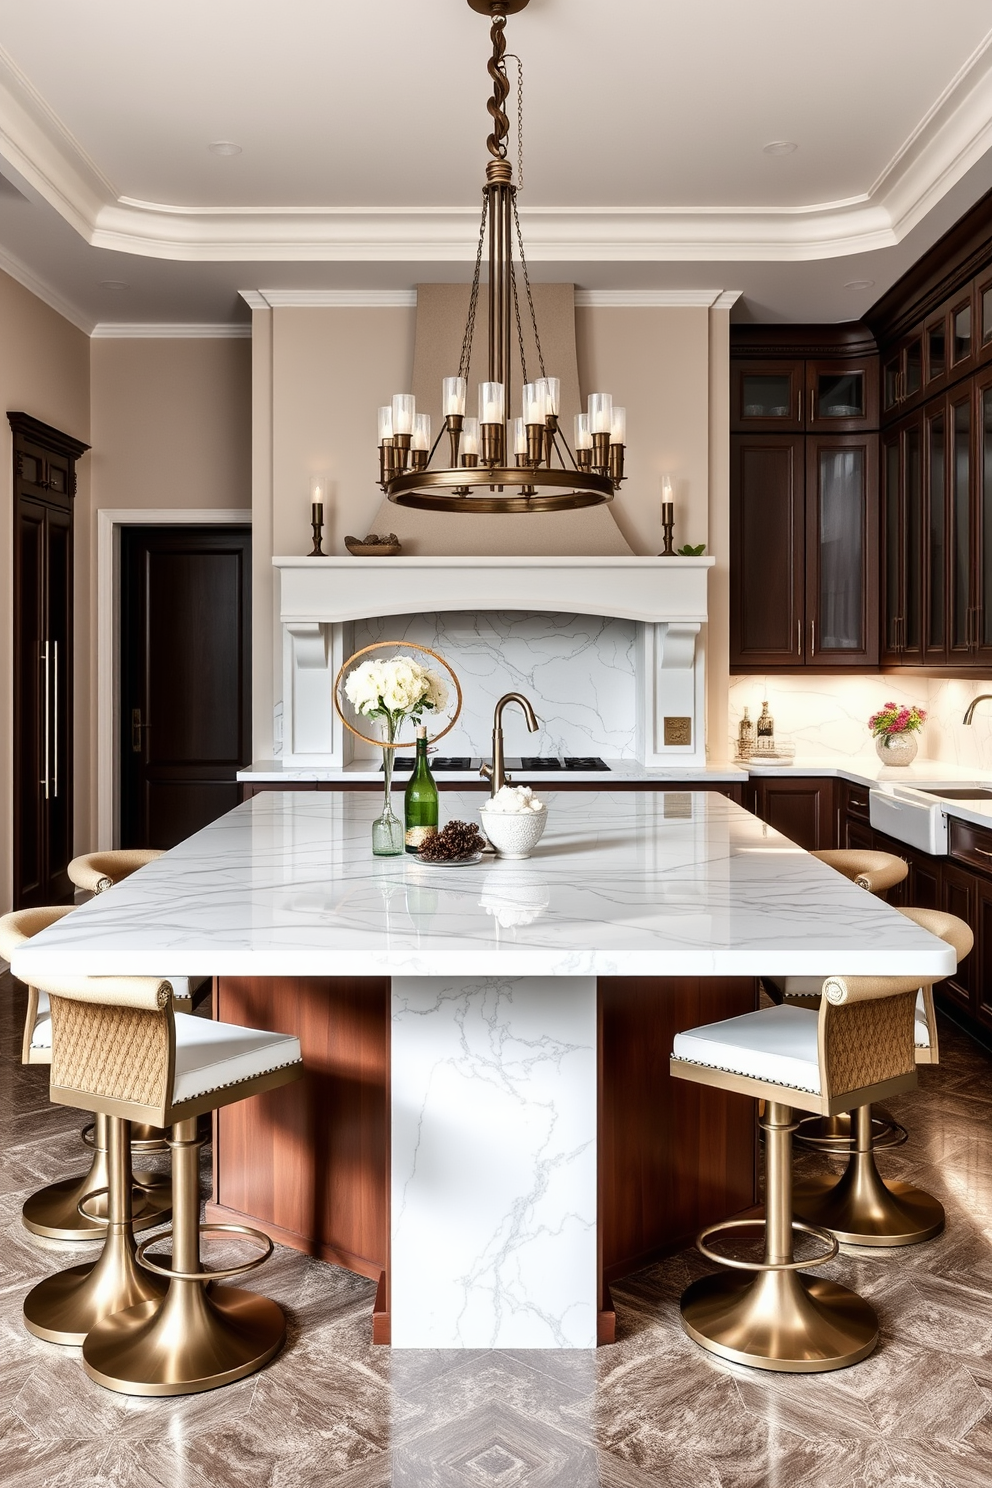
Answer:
x=136 y=727
x=47 y=725
x=812 y=639
x=799 y=412
x=857 y=801
x=811 y=405
x=799 y=639
x=981 y=852
x=55 y=716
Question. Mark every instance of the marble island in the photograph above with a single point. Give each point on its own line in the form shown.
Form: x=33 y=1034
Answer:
x=487 y=1124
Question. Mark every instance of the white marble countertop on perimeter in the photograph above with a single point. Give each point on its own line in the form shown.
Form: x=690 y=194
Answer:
x=622 y=883
x=620 y=772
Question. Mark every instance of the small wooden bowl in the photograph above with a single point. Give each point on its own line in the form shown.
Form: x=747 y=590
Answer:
x=359 y=549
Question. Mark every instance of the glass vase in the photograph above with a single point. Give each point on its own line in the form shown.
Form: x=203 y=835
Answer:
x=387 y=829
x=896 y=749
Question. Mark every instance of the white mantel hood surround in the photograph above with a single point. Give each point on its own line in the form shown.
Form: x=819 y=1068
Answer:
x=320 y=598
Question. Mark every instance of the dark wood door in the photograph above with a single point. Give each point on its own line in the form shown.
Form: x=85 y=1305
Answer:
x=767 y=396
x=185 y=678
x=842 y=395
x=801 y=809
x=958 y=897
x=841 y=550
x=767 y=540
x=44 y=485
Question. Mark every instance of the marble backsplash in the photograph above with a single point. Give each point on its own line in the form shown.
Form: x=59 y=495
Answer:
x=827 y=717
x=579 y=671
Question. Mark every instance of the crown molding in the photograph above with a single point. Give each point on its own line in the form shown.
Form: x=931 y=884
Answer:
x=111 y=330
x=947 y=141
x=644 y=299
x=329 y=299
x=44 y=292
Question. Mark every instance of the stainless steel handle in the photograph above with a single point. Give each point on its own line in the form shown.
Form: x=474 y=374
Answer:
x=812 y=639
x=856 y=801
x=55 y=716
x=48 y=700
x=981 y=852
x=799 y=638
x=799 y=412
x=811 y=405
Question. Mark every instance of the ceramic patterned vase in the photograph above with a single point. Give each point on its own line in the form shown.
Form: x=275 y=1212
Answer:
x=896 y=749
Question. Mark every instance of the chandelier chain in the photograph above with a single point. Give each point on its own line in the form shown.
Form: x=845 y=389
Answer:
x=466 y=356
x=530 y=294
x=520 y=119
x=520 y=329
x=497 y=71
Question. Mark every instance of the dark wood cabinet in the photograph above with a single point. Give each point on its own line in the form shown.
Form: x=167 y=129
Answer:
x=804 y=540
x=44 y=487
x=801 y=808
x=778 y=385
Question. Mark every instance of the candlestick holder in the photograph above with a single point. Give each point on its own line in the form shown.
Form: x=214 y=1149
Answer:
x=317 y=524
x=667 y=524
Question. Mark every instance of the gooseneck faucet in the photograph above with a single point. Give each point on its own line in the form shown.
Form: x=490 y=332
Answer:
x=983 y=697
x=495 y=773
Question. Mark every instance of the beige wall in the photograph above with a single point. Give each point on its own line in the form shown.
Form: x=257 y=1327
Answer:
x=44 y=371
x=320 y=374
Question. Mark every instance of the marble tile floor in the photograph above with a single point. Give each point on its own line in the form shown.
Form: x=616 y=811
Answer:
x=651 y=1410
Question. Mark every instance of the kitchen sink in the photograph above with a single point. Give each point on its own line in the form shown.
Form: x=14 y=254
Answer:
x=959 y=792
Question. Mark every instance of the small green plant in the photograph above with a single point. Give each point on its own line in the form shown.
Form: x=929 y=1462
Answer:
x=688 y=551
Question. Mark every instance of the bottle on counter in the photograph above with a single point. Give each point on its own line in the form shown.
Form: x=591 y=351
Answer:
x=745 y=737
x=420 y=798
x=765 y=731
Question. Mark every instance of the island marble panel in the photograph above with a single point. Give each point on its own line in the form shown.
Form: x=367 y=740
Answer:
x=624 y=883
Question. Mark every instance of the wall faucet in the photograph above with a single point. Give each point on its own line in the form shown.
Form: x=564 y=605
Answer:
x=495 y=773
x=983 y=697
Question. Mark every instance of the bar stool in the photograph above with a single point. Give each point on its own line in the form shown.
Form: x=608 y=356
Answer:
x=856 y=1048
x=54 y=1211
x=876 y=872
x=95 y=873
x=860 y=1207
x=119 y=1048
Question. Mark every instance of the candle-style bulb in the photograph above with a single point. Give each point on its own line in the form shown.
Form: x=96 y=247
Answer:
x=618 y=426
x=600 y=412
x=492 y=403
x=470 y=437
x=583 y=433
x=454 y=391
x=404 y=413
x=534 y=403
x=421 y=432
x=666 y=490
x=552 y=395
x=385 y=423
x=519 y=437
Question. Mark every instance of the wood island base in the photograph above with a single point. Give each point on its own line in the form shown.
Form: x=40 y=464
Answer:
x=310 y=1164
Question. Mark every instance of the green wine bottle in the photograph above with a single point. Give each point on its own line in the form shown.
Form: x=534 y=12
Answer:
x=420 y=798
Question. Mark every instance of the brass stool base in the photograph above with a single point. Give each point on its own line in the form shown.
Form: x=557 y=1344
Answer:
x=835 y=1134
x=53 y=1213
x=862 y=1210
x=779 y=1320
x=195 y=1340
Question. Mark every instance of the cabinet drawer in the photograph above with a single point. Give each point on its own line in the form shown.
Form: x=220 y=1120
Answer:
x=971 y=845
x=856 y=802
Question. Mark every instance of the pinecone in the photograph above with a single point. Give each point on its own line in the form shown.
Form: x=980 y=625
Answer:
x=456 y=840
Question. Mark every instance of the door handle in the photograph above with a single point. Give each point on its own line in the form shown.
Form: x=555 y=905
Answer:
x=47 y=726
x=55 y=716
x=811 y=405
x=812 y=639
x=799 y=639
x=136 y=727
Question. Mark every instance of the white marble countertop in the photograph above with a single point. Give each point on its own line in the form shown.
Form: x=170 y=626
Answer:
x=622 y=883
x=620 y=771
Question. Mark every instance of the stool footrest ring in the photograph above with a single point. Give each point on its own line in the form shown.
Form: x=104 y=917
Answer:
x=207 y=1276
x=830 y=1241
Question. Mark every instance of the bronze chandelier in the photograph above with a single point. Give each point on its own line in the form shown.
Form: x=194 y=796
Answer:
x=547 y=474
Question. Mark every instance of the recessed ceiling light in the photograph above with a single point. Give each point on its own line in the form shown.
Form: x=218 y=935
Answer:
x=114 y=284
x=780 y=147
x=224 y=147
x=859 y=284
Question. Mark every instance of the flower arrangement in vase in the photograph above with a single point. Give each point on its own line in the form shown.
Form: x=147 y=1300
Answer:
x=895 y=729
x=391 y=689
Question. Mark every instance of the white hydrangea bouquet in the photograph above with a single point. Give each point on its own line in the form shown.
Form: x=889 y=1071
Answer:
x=391 y=689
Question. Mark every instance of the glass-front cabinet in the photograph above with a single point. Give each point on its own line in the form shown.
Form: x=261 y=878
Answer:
x=903 y=503
x=791 y=395
x=804 y=535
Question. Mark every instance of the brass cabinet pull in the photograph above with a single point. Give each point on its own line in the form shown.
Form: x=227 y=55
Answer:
x=856 y=801
x=981 y=852
x=811 y=405
x=799 y=638
x=812 y=639
x=55 y=714
x=48 y=704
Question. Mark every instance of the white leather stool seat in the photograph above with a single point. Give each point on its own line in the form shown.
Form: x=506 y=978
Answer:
x=210 y=1056
x=41 y=1033
x=797 y=986
x=776 y=1044
x=921 y=1033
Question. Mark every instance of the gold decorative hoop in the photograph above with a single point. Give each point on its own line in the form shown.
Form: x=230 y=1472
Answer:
x=410 y=646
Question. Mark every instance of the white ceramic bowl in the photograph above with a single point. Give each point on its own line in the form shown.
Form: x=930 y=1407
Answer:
x=514 y=834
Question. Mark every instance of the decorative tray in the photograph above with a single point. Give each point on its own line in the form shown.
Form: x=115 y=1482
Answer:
x=374 y=546
x=475 y=857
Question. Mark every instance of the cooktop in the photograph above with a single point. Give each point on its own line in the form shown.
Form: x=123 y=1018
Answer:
x=442 y=763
